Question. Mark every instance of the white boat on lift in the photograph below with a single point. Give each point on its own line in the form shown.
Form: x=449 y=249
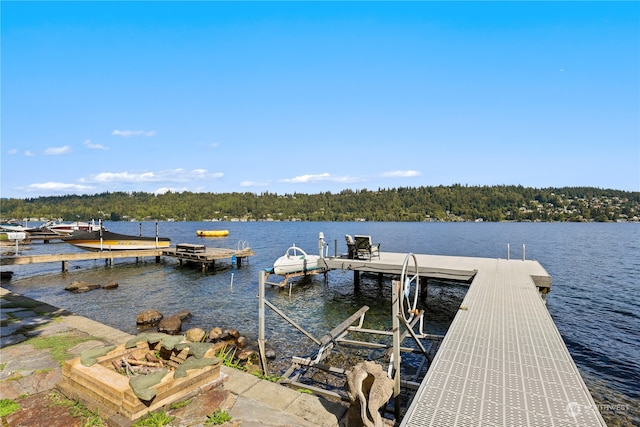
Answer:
x=295 y=260
x=68 y=228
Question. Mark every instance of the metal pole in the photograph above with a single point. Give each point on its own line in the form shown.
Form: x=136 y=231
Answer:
x=395 y=312
x=294 y=324
x=523 y=252
x=508 y=250
x=261 y=347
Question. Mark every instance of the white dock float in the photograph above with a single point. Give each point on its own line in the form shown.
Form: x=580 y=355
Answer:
x=502 y=361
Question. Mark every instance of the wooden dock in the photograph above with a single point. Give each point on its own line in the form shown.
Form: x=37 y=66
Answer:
x=108 y=256
x=186 y=252
x=206 y=257
x=502 y=362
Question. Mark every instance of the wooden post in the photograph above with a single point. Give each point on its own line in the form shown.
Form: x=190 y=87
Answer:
x=65 y=266
x=423 y=288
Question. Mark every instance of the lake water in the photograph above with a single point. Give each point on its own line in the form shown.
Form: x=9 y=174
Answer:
x=595 y=296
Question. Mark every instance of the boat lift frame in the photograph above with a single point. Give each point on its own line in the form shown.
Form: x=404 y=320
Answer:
x=323 y=248
x=287 y=277
x=405 y=317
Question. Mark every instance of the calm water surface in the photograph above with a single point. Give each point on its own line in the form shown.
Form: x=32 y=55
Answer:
x=595 y=297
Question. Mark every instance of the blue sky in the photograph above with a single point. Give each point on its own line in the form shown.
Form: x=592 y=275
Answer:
x=311 y=97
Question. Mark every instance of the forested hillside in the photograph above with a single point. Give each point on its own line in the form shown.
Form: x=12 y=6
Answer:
x=441 y=203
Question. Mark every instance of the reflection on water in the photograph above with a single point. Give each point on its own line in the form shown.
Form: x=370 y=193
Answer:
x=595 y=297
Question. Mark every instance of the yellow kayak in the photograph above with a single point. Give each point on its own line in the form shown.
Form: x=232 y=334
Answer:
x=212 y=233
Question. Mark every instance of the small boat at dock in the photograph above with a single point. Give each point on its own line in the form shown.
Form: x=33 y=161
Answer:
x=295 y=260
x=57 y=228
x=104 y=240
x=12 y=226
x=212 y=233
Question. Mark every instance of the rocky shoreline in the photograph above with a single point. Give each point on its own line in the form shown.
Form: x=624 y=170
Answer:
x=29 y=374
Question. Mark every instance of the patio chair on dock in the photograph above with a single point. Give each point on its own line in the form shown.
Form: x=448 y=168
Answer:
x=365 y=249
x=351 y=246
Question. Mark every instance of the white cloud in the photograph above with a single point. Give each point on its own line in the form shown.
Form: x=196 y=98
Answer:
x=163 y=190
x=12 y=151
x=172 y=175
x=323 y=177
x=124 y=177
x=130 y=133
x=29 y=153
x=93 y=146
x=401 y=174
x=255 y=184
x=56 y=151
x=57 y=186
x=308 y=178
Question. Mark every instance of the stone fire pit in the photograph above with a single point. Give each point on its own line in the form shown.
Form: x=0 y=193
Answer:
x=177 y=369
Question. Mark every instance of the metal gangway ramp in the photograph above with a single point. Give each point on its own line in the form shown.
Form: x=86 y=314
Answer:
x=502 y=361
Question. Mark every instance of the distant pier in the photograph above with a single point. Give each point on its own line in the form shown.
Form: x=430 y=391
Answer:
x=108 y=256
x=183 y=252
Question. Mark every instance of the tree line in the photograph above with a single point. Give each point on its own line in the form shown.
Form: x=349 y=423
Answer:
x=435 y=203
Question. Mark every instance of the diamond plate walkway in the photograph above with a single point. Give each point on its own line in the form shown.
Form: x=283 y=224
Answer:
x=502 y=361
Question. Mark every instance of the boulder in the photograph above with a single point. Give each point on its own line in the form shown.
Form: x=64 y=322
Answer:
x=171 y=325
x=369 y=389
x=149 y=317
x=231 y=333
x=79 y=286
x=195 y=335
x=215 y=334
x=110 y=285
x=185 y=314
x=246 y=354
x=241 y=342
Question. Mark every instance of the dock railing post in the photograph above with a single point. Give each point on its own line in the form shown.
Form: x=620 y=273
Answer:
x=321 y=244
x=261 y=346
x=395 y=310
x=508 y=251
x=523 y=252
